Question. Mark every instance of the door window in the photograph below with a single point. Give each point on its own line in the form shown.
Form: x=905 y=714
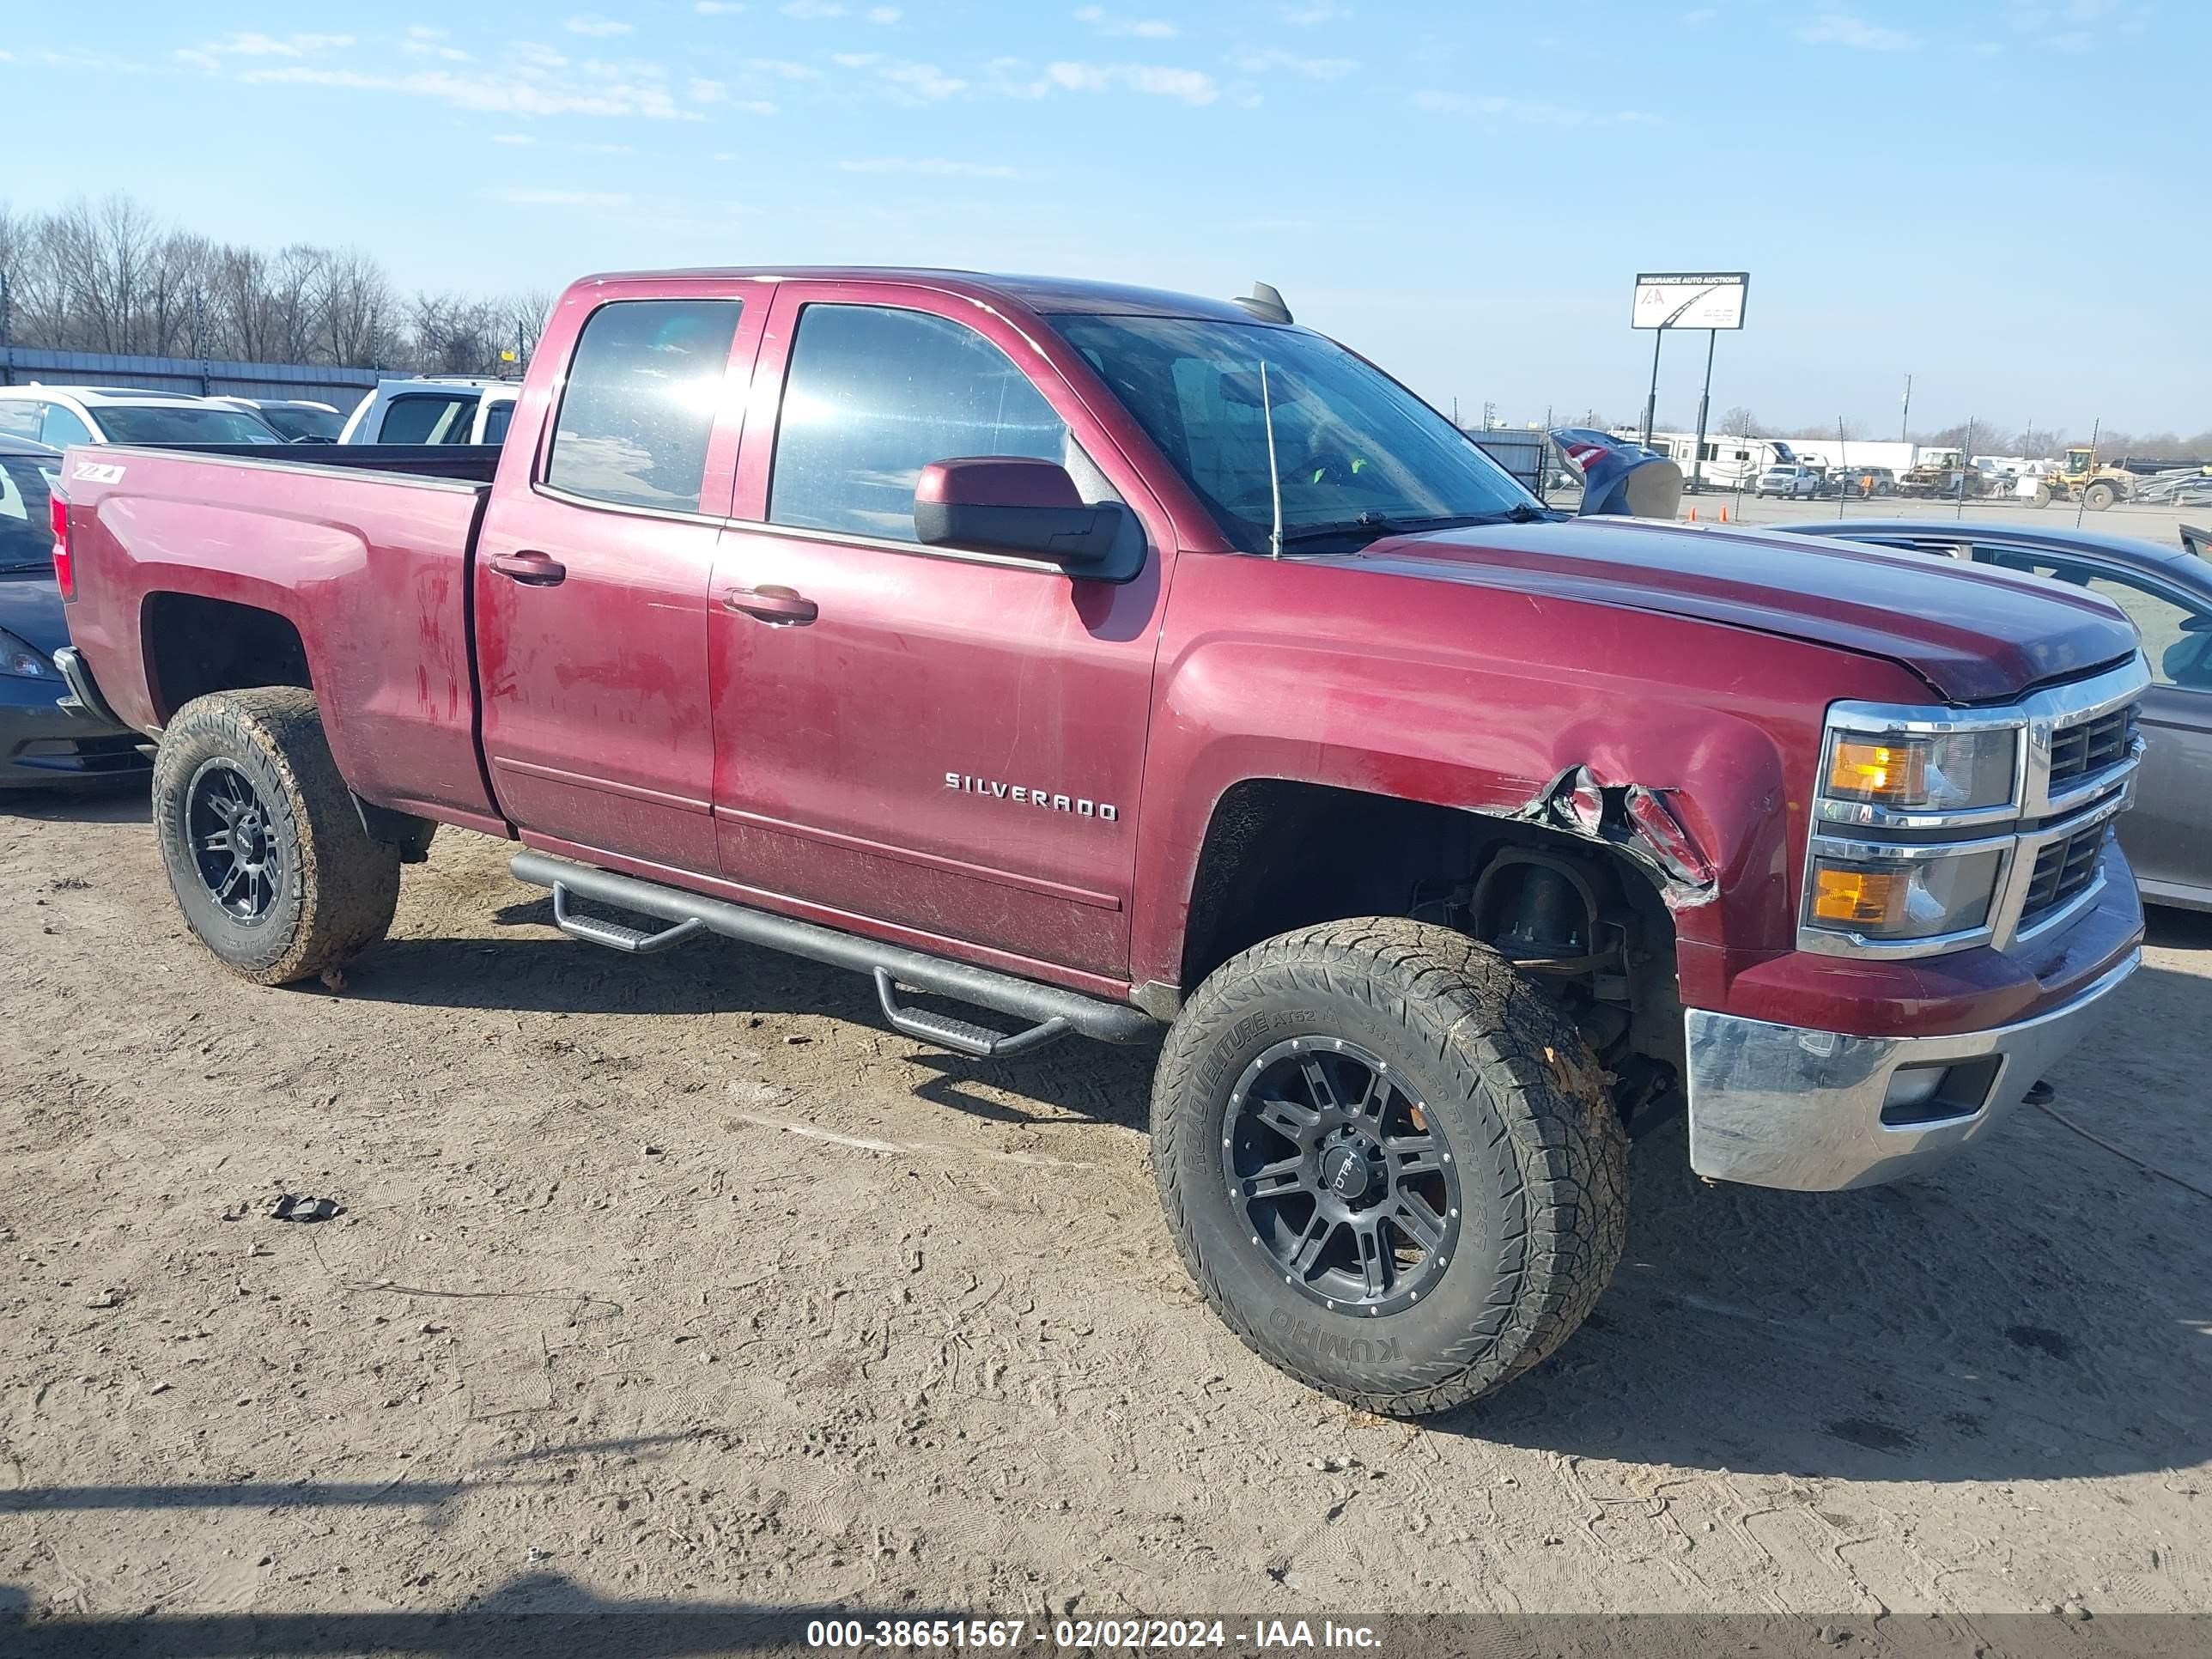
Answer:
x=19 y=417
x=644 y=388
x=874 y=394
x=60 y=427
x=2177 y=636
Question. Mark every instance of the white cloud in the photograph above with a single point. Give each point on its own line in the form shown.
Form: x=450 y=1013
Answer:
x=1314 y=69
x=1011 y=78
x=583 y=198
x=1836 y=28
x=925 y=82
x=1528 y=111
x=598 y=27
x=253 y=44
x=1119 y=28
x=933 y=166
x=526 y=90
x=1699 y=18
x=424 y=42
x=885 y=14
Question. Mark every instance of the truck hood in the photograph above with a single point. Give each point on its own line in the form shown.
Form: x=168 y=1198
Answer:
x=1973 y=633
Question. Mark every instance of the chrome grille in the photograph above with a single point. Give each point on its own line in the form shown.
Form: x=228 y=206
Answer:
x=2064 y=871
x=2078 y=751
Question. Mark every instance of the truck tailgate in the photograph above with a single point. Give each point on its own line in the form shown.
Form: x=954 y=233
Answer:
x=370 y=568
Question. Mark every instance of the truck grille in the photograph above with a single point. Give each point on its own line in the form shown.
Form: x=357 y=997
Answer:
x=2079 y=750
x=2063 y=869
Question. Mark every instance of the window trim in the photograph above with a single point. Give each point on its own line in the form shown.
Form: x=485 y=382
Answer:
x=541 y=460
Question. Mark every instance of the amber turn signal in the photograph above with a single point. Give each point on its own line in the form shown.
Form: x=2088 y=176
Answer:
x=1861 y=769
x=1860 y=897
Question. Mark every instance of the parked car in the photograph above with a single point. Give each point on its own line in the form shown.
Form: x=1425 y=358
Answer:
x=1796 y=483
x=297 y=420
x=1859 y=481
x=1118 y=661
x=58 y=415
x=2167 y=593
x=438 y=409
x=46 y=741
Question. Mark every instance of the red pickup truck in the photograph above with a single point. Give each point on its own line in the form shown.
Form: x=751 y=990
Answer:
x=1127 y=663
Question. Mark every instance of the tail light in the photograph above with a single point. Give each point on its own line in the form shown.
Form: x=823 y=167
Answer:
x=64 y=570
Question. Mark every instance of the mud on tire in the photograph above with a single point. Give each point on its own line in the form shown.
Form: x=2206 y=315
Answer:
x=1467 y=1057
x=263 y=844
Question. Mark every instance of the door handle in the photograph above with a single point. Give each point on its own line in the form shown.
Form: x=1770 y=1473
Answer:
x=531 y=568
x=779 y=607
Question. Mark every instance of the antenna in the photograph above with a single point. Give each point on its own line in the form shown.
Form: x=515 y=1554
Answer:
x=1264 y=302
x=1274 y=473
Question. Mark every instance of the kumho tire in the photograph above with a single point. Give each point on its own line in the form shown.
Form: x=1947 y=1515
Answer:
x=1503 y=1085
x=262 y=840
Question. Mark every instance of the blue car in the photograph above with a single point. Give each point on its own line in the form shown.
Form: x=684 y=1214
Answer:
x=47 y=740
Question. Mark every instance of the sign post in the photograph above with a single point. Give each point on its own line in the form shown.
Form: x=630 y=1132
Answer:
x=1711 y=301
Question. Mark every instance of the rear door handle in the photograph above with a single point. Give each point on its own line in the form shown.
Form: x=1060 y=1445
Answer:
x=531 y=568
x=782 y=607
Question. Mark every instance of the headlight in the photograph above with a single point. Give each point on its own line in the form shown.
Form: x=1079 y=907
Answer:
x=1923 y=772
x=1893 y=898
x=18 y=661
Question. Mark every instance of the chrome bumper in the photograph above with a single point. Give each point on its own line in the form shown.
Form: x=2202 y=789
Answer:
x=1782 y=1106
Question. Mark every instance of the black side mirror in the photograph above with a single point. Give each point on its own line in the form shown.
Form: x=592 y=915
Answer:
x=1031 y=508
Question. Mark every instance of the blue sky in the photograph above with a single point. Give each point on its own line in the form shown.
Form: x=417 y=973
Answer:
x=1959 y=191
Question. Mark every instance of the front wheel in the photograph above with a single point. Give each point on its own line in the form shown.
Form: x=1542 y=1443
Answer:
x=2042 y=497
x=1388 y=1161
x=264 y=844
x=2099 y=496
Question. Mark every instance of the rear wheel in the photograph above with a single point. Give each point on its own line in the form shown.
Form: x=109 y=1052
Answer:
x=2043 y=494
x=1388 y=1161
x=2099 y=496
x=263 y=845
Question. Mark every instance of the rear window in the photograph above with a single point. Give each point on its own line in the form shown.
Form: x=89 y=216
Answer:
x=297 y=423
x=644 y=387
x=428 y=417
x=26 y=539
x=182 y=424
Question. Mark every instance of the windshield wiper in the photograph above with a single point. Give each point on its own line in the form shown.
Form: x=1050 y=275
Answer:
x=1375 y=525
x=28 y=564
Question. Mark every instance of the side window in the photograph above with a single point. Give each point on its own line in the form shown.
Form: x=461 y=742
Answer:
x=496 y=420
x=644 y=388
x=60 y=428
x=19 y=417
x=427 y=417
x=873 y=395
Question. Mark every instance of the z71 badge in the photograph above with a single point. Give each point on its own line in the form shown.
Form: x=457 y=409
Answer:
x=1026 y=795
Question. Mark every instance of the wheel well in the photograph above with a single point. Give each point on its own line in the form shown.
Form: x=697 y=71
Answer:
x=1587 y=922
x=195 y=645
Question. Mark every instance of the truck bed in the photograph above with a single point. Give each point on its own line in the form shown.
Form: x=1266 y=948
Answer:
x=364 y=549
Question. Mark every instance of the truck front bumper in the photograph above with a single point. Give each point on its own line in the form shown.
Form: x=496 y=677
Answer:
x=1816 y=1111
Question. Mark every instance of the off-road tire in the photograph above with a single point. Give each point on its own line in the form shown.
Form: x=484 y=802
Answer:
x=2042 y=497
x=339 y=887
x=2099 y=496
x=1541 y=1155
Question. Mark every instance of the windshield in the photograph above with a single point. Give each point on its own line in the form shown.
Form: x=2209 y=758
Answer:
x=296 y=423
x=181 y=423
x=27 y=538
x=1356 y=454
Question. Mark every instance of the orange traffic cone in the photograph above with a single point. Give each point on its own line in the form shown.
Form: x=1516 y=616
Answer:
x=1693 y=515
x=1724 y=515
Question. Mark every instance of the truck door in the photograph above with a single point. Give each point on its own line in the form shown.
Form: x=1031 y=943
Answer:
x=945 y=742
x=591 y=581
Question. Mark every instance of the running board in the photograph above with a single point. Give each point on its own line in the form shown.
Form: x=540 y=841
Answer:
x=1049 y=1010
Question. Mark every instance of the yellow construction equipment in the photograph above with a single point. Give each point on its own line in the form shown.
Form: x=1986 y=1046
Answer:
x=2078 y=478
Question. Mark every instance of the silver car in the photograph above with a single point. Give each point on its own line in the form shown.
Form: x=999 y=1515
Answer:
x=2167 y=593
x=1791 y=483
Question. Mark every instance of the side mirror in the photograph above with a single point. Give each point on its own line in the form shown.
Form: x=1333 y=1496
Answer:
x=1001 y=504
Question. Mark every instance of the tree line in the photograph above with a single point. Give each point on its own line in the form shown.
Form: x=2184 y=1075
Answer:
x=110 y=275
x=1985 y=438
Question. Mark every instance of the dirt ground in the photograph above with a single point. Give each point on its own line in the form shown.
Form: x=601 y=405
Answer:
x=684 y=1282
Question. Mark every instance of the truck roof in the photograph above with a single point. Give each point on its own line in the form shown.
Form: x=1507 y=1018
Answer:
x=1042 y=293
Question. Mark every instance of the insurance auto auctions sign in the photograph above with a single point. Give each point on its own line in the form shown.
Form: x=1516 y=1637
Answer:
x=1690 y=299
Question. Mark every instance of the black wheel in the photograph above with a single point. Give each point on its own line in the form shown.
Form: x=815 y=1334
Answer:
x=263 y=846
x=1388 y=1161
x=2099 y=496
